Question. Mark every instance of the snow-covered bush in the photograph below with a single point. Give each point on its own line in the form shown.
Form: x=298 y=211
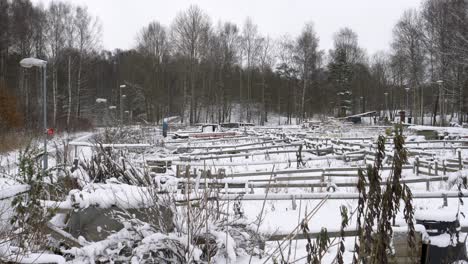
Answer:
x=28 y=221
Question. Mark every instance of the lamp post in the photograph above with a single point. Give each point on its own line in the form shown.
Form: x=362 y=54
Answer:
x=33 y=62
x=103 y=101
x=407 y=100
x=445 y=108
x=441 y=100
x=121 y=102
x=386 y=104
x=113 y=114
x=122 y=107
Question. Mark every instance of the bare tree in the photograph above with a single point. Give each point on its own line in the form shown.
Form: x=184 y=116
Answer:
x=306 y=57
x=4 y=37
x=189 y=32
x=287 y=71
x=266 y=61
x=70 y=35
x=251 y=48
x=22 y=42
x=409 y=52
x=56 y=34
x=229 y=44
x=88 y=39
x=152 y=42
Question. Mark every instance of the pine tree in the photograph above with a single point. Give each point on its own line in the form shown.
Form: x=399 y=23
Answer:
x=341 y=75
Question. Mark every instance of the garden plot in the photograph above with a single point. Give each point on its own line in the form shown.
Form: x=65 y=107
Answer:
x=235 y=198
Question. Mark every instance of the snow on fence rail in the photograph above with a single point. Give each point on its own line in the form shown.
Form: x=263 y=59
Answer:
x=349 y=232
x=307 y=170
x=330 y=196
x=291 y=182
x=357 y=155
x=141 y=197
x=292 y=145
x=234 y=146
x=87 y=144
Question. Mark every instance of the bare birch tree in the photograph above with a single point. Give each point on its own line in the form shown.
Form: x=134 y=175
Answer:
x=251 y=48
x=306 y=57
x=189 y=32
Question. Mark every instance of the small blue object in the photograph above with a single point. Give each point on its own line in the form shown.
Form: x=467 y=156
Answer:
x=165 y=127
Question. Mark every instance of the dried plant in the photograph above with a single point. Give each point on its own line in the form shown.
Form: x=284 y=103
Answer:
x=379 y=206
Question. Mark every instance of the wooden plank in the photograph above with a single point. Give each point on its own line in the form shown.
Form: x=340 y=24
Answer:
x=301 y=235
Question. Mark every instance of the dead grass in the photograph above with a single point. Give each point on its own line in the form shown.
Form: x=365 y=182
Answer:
x=14 y=140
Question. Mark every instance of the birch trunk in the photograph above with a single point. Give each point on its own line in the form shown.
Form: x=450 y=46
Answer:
x=69 y=94
x=78 y=88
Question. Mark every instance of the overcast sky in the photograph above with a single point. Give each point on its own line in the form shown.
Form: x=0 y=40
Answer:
x=373 y=20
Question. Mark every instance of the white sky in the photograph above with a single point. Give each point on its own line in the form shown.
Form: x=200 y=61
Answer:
x=373 y=20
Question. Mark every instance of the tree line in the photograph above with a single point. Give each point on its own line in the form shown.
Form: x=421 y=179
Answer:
x=207 y=71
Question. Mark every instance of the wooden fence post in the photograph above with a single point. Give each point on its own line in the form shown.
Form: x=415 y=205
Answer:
x=294 y=204
x=436 y=167
x=322 y=180
x=444 y=167
x=417 y=165
x=460 y=163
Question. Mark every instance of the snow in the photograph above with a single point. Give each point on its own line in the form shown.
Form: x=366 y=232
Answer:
x=440 y=215
x=415 y=138
x=8 y=189
x=445 y=240
x=280 y=216
x=9 y=253
x=38 y=258
x=452 y=131
x=122 y=196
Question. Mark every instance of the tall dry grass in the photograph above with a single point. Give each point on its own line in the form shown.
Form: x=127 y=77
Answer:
x=13 y=140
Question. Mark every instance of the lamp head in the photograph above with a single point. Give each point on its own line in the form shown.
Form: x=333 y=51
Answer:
x=32 y=62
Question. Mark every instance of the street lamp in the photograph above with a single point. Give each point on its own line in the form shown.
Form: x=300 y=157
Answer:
x=386 y=104
x=122 y=107
x=407 y=100
x=441 y=100
x=33 y=62
x=103 y=101
x=121 y=102
x=113 y=114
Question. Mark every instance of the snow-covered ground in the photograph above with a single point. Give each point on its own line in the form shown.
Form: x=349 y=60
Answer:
x=265 y=161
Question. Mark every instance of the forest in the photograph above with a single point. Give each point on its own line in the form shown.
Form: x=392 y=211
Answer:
x=217 y=71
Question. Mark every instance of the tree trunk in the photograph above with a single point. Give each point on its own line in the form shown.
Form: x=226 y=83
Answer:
x=54 y=95
x=184 y=99
x=78 y=88
x=279 y=105
x=69 y=94
x=460 y=109
x=192 y=94
x=263 y=109
x=240 y=94
x=304 y=87
x=434 y=114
